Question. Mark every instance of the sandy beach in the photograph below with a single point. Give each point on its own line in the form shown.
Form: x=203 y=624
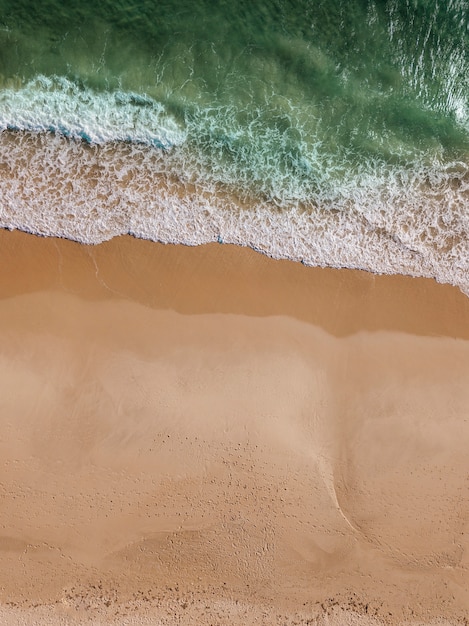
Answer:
x=209 y=436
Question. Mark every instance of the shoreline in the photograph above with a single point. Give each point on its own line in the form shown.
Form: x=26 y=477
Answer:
x=208 y=435
x=54 y=186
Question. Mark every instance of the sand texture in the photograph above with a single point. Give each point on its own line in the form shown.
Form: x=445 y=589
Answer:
x=208 y=436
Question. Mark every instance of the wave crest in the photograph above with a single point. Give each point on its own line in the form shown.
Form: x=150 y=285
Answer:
x=57 y=104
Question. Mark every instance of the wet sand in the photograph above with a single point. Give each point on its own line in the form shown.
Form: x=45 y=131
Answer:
x=208 y=436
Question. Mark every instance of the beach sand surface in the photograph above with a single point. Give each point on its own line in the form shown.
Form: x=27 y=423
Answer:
x=209 y=436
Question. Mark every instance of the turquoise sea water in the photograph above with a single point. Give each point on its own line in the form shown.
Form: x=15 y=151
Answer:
x=334 y=132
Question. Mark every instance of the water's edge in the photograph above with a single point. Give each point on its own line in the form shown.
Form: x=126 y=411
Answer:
x=54 y=186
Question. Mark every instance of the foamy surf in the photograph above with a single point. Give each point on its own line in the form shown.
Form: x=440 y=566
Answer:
x=58 y=105
x=410 y=222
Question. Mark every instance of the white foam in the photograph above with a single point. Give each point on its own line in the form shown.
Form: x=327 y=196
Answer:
x=409 y=221
x=57 y=104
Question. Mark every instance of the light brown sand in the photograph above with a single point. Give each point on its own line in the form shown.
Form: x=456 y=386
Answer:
x=208 y=436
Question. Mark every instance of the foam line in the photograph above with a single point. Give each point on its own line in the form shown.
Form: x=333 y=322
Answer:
x=410 y=222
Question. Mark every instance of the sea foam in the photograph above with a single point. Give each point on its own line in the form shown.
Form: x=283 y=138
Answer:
x=57 y=104
x=401 y=220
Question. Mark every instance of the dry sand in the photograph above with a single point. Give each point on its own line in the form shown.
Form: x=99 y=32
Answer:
x=208 y=436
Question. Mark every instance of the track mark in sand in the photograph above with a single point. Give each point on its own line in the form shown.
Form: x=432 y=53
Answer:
x=101 y=280
x=326 y=472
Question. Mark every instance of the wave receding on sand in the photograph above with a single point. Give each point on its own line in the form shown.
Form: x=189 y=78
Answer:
x=92 y=192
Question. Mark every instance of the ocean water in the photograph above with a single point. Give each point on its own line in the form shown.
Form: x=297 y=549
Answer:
x=332 y=132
